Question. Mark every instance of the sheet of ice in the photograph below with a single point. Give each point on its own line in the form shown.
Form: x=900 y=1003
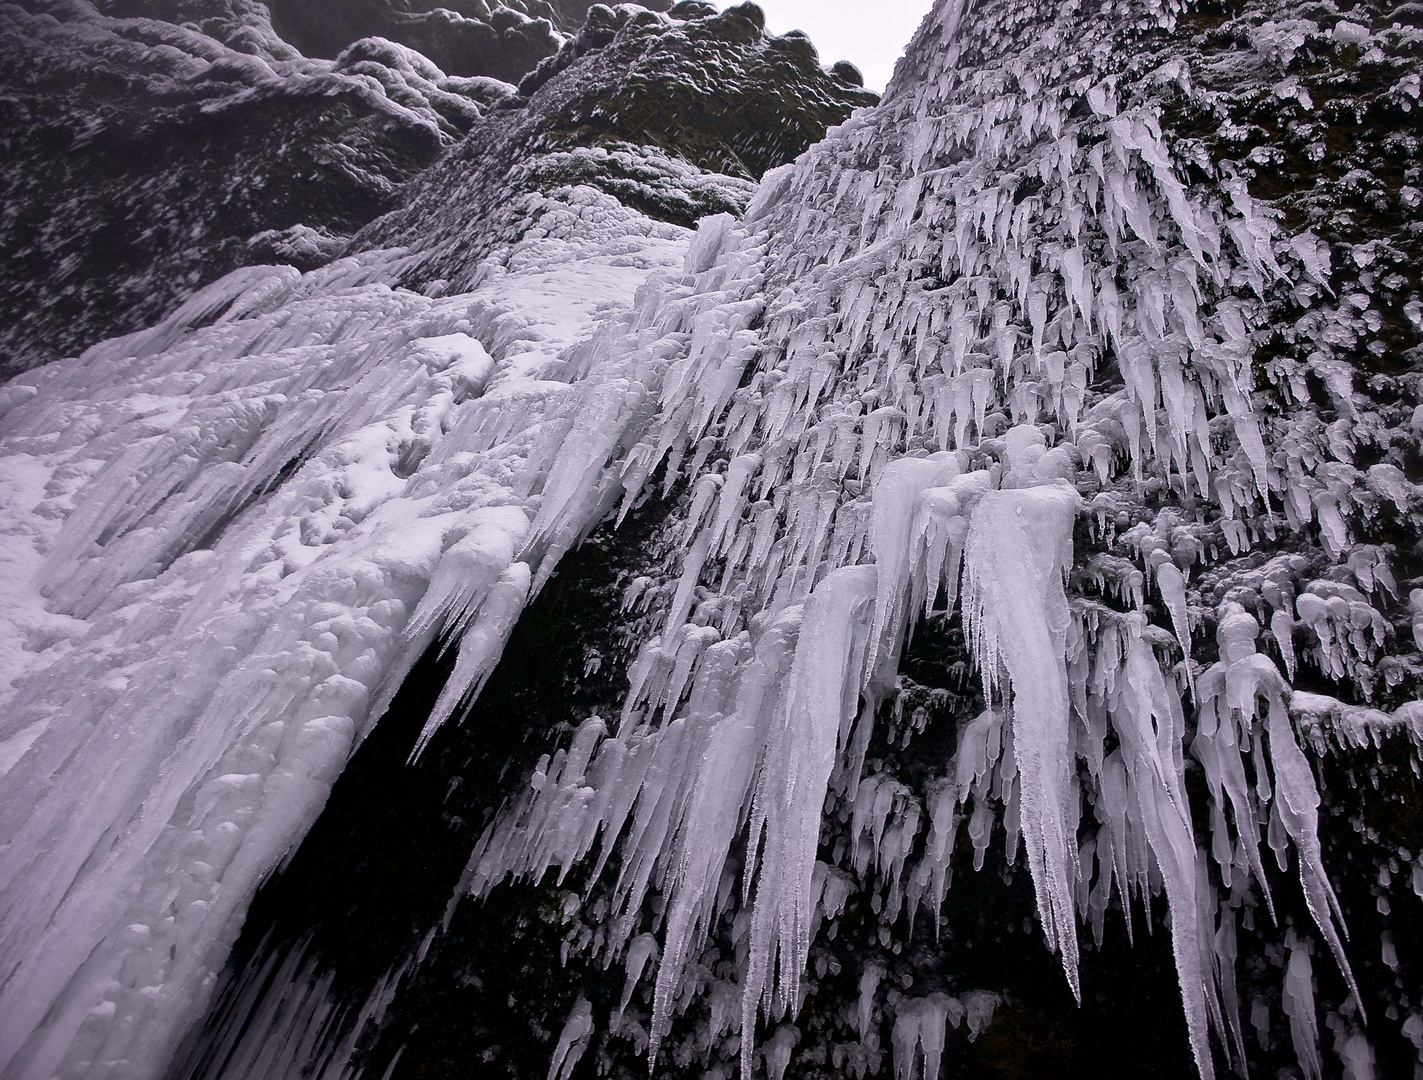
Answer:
x=226 y=539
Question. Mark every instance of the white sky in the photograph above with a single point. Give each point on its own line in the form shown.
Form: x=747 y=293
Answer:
x=871 y=34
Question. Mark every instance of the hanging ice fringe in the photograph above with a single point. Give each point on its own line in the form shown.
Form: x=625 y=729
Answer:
x=920 y=428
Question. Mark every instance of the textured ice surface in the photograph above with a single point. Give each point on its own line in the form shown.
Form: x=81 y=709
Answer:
x=936 y=291
x=231 y=536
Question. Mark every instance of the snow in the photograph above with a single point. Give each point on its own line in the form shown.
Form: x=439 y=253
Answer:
x=24 y=620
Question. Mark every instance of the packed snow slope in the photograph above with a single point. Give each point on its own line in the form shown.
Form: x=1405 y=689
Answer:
x=1089 y=353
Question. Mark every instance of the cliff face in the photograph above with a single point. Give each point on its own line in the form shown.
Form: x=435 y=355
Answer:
x=956 y=611
x=675 y=118
x=153 y=147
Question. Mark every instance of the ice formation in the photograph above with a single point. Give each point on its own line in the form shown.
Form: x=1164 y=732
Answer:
x=891 y=442
x=941 y=359
x=237 y=531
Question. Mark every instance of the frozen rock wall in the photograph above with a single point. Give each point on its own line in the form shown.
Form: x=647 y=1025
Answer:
x=1027 y=318
x=152 y=147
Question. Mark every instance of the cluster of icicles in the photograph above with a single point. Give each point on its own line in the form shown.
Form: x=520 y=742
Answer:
x=234 y=535
x=880 y=453
x=779 y=715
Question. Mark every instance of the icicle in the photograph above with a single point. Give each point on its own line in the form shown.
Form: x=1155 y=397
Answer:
x=779 y=1049
x=979 y=1007
x=1299 y=1006
x=1239 y=682
x=897 y=490
x=936 y=1013
x=1019 y=548
x=480 y=648
x=1297 y=801
x=869 y=983
x=906 y=1038
x=1148 y=722
x=572 y=1041
x=1172 y=584
x=721 y=789
x=825 y=677
x=642 y=949
x=313 y=477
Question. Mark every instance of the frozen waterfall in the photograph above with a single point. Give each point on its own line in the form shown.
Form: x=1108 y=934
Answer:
x=987 y=354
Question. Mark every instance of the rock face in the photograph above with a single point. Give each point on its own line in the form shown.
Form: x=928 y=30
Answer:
x=956 y=612
x=146 y=158
x=501 y=40
x=498 y=40
x=674 y=116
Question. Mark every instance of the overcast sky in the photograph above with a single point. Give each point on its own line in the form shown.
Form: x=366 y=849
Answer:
x=871 y=34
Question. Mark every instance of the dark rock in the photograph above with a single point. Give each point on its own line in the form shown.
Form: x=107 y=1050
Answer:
x=691 y=9
x=498 y=41
x=136 y=177
x=671 y=116
x=749 y=11
x=1409 y=14
x=847 y=73
x=144 y=159
x=798 y=44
